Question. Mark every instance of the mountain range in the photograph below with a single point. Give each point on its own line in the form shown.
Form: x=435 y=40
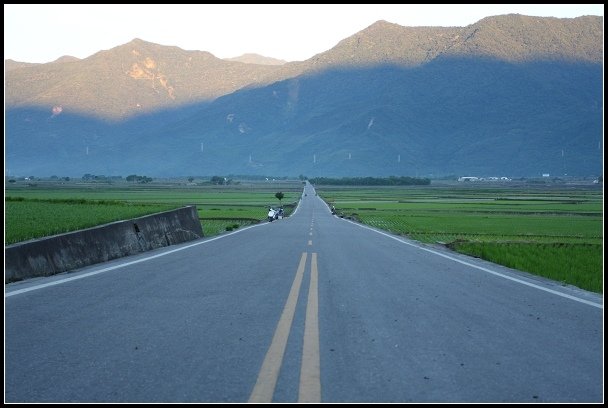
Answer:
x=251 y=58
x=510 y=95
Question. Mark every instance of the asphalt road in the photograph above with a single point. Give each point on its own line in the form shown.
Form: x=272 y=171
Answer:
x=311 y=308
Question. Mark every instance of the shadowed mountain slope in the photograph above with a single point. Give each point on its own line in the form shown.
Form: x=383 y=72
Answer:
x=509 y=95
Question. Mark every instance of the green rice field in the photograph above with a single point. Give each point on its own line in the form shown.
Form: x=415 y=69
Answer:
x=555 y=232
x=34 y=218
x=53 y=208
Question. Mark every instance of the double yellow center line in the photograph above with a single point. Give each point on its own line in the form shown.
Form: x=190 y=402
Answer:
x=310 y=372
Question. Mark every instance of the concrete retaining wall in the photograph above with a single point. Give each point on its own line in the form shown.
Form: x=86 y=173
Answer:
x=64 y=252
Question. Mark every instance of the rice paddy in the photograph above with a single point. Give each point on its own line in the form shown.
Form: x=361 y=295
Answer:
x=555 y=232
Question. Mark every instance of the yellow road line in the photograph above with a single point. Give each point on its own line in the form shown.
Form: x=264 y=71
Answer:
x=310 y=372
x=267 y=378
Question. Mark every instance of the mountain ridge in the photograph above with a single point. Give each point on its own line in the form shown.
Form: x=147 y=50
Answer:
x=253 y=58
x=133 y=78
x=144 y=76
x=393 y=100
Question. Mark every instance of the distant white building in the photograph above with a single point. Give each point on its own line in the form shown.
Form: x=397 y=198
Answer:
x=474 y=178
x=545 y=174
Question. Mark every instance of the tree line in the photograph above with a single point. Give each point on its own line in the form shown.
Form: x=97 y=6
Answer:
x=372 y=181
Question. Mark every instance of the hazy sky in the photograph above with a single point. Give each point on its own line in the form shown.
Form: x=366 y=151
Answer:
x=43 y=33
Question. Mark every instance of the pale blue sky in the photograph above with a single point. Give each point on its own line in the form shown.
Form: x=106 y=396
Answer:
x=43 y=33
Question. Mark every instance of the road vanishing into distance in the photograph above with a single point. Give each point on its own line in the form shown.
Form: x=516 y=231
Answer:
x=311 y=308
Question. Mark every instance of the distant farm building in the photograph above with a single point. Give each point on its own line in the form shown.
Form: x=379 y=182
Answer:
x=468 y=178
x=473 y=178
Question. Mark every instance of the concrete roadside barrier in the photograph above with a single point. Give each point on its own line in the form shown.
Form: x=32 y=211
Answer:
x=73 y=250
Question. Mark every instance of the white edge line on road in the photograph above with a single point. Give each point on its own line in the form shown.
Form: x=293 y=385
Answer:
x=523 y=282
x=111 y=268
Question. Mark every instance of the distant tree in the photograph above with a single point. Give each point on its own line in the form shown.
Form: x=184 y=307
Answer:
x=12 y=181
x=190 y=179
x=217 y=180
x=139 y=179
x=371 y=181
x=279 y=195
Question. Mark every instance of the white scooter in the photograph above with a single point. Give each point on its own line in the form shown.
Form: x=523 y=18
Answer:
x=272 y=215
